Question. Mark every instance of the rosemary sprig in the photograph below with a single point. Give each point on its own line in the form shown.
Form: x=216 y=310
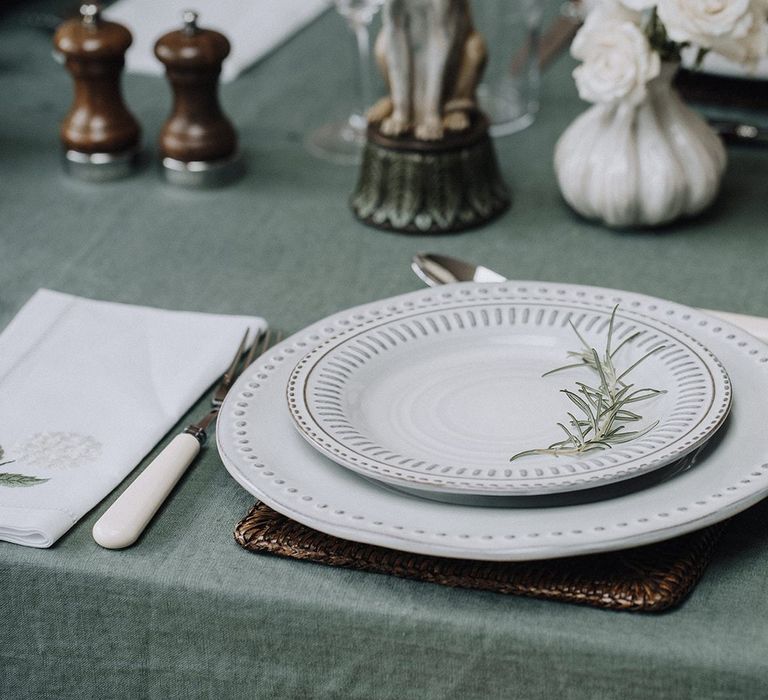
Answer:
x=602 y=412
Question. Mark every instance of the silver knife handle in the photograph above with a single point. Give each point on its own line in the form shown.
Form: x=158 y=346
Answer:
x=126 y=518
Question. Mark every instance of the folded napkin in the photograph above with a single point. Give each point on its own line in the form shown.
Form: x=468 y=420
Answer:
x=88 y=388
x=253 y=28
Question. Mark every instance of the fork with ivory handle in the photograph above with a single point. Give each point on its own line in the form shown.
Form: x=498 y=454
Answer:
x=126 y=518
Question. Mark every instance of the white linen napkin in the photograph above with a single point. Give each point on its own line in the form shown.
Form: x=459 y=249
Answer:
x=253 y=28
x=87 y=388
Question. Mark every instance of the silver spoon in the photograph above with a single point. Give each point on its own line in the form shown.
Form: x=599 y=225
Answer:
x=440 y=269
x=436 y=269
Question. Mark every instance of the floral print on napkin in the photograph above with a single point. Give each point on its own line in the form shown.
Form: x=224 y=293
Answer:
x=11 y=480
x=47 y=451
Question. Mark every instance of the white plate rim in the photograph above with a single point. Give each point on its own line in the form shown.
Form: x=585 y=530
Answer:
x=276 y=483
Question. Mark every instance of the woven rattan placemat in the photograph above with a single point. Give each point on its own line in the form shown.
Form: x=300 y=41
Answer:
x=645 y=579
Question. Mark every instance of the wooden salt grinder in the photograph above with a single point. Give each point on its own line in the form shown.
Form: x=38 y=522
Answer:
x=198 y=144
x=99 y=135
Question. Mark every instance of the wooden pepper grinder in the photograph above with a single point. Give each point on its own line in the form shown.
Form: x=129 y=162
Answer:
x=100 y=136
x=198 y=144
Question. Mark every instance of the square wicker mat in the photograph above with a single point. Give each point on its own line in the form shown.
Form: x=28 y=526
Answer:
x=646 y=579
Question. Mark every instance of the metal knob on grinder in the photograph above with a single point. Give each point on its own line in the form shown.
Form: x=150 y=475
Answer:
x=99 y=135
x=198 y=144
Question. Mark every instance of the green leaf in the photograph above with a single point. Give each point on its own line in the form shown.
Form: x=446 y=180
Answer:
x=590 y=394
x=601 y=443
x=580 y=337
x=528 y=453
x=577 y=424
x=603 y=381
x=626 y=340
x=570 y=436
x=658 y=348
x=621 y=393
x=700 y=56
x=642 y=395
x=556 y=447
x=610 y=331
x=627 y=416
x=633 y=435
x=564 y=367
x=578 y=401
x=19 y=480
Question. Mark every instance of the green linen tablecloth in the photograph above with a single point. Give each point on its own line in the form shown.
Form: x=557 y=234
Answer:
x=186 y=612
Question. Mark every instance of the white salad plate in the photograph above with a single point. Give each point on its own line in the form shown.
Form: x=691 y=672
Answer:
x=439 y=399
x=263 y=451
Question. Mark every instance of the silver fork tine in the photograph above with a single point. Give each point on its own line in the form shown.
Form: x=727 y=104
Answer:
x=264 y=347
x=229 y=375
x=266 y=343
x=234 y=370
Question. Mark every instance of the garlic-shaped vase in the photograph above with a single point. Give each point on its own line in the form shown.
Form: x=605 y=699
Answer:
x=640 y=165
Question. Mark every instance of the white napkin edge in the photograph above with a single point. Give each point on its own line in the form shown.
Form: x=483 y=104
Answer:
x=230 y=71
x=140 y=59
x=27 y=531
x=754 y=325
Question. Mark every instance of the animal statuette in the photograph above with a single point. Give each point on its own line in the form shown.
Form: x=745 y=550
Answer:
x=432 y=59
x=428 y=163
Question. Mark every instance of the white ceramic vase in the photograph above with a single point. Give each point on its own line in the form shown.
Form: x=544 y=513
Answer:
x=640 y=165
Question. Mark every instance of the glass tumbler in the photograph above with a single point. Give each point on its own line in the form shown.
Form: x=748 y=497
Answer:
x=509 y=91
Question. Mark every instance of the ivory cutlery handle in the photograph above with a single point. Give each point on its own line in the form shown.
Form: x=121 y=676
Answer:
x=126 y=518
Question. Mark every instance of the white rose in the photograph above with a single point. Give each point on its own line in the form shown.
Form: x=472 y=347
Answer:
x=748 y=49
x=734 y=28
x=616 y=10
x=639 y=5
x=617 y=60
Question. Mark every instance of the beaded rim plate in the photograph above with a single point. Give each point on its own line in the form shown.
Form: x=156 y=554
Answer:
x=263 y=452
x=439 y=399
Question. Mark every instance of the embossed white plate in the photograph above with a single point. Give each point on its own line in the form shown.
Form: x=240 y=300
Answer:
x=439 y=399
x=263 y=451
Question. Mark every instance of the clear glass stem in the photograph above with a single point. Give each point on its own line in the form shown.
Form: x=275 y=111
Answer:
x=342 y=141
x=365 y=79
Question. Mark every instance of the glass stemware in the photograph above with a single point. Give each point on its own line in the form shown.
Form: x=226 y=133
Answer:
x=342 y=141
x=509 y=91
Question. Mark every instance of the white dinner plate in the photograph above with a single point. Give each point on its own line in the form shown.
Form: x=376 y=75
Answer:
x=263 y=451
x=438 y=399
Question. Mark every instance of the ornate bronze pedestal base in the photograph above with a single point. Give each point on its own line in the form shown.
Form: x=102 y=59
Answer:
x=422 y=187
